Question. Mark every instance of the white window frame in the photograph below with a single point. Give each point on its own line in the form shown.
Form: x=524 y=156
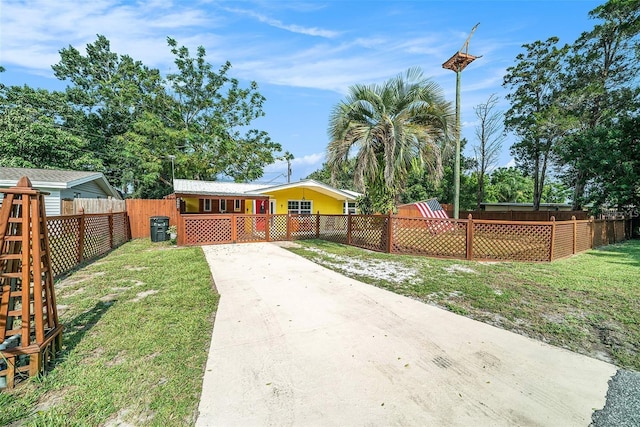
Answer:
x=347 y=208
x=299 y=210
x=206 y=205
x=237 y=205
x=223 y=205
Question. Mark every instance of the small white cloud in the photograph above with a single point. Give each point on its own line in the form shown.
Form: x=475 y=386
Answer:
x=299 y=29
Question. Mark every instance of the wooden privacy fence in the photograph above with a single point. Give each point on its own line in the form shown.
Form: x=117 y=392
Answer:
x=448 y=238
x=140 y=212
x=78 y=238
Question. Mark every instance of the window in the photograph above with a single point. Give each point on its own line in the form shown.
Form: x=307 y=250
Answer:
x=237 y=205
x=207 y=205
x=349 y=208
x=299 y=206
x=223 y=205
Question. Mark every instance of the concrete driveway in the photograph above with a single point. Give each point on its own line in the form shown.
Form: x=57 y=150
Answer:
x=297 y=344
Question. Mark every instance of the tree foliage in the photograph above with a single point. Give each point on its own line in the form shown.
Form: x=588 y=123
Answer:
x=31 y=135
x=125 y=119
x=389 y=129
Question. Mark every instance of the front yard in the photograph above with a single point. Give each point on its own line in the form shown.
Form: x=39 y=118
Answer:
x=589 y=303
x=137 y=331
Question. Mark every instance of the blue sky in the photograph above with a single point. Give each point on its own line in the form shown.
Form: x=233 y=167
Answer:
x=304 y=55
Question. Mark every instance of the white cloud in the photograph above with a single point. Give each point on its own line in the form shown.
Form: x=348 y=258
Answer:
x=299 y=29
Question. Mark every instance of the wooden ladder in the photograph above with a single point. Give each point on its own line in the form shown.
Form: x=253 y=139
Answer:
x=30 y=333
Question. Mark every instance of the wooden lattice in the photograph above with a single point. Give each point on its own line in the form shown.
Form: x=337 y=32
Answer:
x=30 y=334
x=278 y=227
x=97 y=239
x=511 y=241
x=563 y=240
x=433 y=237
x=251 y=228
x=209 y=230
x=369 y=232
x=64 y=240
x=333 y=228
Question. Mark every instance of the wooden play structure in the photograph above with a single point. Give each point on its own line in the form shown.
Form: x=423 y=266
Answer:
x=30 y=334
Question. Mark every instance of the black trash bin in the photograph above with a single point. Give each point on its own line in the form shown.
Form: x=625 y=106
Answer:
x=159 y=228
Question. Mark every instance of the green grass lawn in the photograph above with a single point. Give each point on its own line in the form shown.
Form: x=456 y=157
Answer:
x=137 y=331
x=589 y=303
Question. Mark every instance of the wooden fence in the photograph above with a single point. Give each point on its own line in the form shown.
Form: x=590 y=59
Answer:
x=92 y=206
x=74 y=239
x=461 y=239
x=140 y=212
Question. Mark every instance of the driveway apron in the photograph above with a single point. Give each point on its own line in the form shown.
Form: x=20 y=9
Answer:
x=297 y=344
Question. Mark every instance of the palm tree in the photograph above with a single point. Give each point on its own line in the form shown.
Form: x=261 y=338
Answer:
x=401 y=125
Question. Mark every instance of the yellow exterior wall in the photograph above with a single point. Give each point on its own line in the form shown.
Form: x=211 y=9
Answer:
x=320 y=202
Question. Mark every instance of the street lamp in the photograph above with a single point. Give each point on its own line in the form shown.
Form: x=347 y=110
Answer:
x=457 y=63
x=173 y=169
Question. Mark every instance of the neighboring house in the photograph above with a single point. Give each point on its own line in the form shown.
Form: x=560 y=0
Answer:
x=62 y=185
x=302 y=197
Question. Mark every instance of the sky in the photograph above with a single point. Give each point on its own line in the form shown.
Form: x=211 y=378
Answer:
x=304 y=55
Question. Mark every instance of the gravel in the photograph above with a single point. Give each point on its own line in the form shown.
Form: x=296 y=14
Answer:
x=622 y=408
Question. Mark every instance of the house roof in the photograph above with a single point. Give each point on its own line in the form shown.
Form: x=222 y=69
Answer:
x=215 y=188
x=55 y=179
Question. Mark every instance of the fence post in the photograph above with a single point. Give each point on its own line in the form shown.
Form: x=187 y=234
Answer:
x=267 y=227
x=389 y=232
x=81 y=232
x=592 y=225
x=469 y=237
x=234 y=229
x=349 y=228
x=318 y=225
x=575 y=233
x=110 y=216
x=553 y=237
x=288 y=226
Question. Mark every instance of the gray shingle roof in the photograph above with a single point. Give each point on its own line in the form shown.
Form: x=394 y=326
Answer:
x=45 y=175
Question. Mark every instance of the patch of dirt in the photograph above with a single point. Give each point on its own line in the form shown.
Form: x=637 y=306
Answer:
x=50 y=399
x=139 y=419
x=457 y=268
x=109 y=297
x=287 y=244
x=77 y=278
x=144 y=294
x=376 y=269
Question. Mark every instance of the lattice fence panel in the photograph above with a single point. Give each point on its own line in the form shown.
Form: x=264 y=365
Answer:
x=583 y=236
x=278 y=227
x=563 y=240
x=333 y=228
x=96 y=236
x=120 y=229
x=521 y=242
x=369 y=232
x=251 y=228
x=434 y=237
x=302 y=226
x=200 y=231
x=64 y=233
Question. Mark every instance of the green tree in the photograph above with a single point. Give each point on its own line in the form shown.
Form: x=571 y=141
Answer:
x=535 y=115
x=490 y=136
x=342 y=178
x=135 y=119
x=108 y=93
x=391 y=128
x=509 y=185
x=31 y=135
x=602 y=84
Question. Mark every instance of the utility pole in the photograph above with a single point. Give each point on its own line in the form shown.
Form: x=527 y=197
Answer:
x=457 y=63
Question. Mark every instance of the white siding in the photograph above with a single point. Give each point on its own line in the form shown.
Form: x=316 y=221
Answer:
x=88 y=190
x=52 y=203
